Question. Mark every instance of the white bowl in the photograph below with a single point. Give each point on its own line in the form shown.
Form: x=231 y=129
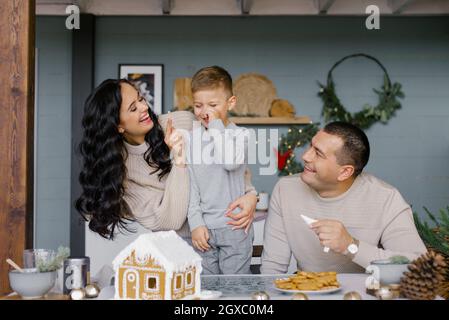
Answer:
x=32 y=284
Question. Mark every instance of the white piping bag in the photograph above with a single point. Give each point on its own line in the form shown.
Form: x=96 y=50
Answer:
x=309 y=221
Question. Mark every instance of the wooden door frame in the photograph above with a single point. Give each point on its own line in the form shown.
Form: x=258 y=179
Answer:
x=17 y=49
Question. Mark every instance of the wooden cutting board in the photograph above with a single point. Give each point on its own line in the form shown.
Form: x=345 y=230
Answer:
x=182 y=93
x=254 y=93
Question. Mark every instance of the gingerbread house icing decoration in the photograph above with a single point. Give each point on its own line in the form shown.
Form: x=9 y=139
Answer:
x=157 y=266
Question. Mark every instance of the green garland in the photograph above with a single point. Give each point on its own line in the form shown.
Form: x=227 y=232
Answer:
x=295 y=138
x=333 y=110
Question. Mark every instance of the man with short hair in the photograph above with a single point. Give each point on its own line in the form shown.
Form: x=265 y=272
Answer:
x=360 y=218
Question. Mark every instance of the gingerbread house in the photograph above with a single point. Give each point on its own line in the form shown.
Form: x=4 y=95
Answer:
x=157 y=266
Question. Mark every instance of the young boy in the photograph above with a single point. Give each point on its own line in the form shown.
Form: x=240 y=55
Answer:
x=217 y=182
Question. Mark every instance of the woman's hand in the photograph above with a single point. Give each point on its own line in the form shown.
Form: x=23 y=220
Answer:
x=175 y=141
x=244 y=219
x=200 y=236
x=169 y=141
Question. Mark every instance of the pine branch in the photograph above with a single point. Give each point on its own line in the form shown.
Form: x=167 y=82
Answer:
x=436 y=237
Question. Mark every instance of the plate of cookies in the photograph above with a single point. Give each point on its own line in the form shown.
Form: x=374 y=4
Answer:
x=309 y=282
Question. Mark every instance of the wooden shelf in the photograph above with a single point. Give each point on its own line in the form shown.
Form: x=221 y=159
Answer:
x=270 y=120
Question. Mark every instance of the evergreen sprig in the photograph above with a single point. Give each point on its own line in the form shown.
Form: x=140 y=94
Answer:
x=55 y=263
x=436 y=236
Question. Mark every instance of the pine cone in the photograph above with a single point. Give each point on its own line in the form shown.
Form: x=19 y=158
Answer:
x=424 y=277
x=443 y=289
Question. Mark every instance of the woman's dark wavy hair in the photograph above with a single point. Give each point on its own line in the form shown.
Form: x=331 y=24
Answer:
x=103 y=153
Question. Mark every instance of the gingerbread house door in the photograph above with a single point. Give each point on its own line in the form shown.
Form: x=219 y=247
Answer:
x=131 y=284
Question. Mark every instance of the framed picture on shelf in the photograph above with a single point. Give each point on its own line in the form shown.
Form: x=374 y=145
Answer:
x=149 y=79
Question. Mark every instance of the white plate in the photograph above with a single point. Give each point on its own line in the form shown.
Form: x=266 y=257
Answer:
x=309 y=291
x=204 y=295
x=210 y=295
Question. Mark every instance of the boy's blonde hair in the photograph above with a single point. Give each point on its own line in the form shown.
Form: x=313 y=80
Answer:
x=212 y=78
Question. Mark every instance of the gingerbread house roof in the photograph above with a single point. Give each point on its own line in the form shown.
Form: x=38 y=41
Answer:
x=166 y=247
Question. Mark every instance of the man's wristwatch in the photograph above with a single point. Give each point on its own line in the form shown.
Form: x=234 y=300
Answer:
x=353 y=248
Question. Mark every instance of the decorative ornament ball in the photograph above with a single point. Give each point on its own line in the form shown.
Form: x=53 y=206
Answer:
x=77 y=294
x=396 y=290
x=300 y=296
x=352 y=295
x=92 y=290
x=260 y=295
x=321 y=89
x=385 y=293
x=395 y=286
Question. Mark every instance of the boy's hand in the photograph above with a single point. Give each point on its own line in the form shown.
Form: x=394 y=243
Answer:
x=243 y=220
x=212 y=114
x=200 y=236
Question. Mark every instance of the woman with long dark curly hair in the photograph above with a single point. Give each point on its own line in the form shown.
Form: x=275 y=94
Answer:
x=128 y=174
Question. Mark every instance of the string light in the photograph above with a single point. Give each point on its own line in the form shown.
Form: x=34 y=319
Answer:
x=292 y=140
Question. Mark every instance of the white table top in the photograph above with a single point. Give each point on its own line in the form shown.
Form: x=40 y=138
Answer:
x=241 y=287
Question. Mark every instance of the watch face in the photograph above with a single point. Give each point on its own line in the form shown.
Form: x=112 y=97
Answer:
x=353 y=248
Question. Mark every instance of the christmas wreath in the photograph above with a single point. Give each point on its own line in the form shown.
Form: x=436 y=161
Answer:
x=333 y=110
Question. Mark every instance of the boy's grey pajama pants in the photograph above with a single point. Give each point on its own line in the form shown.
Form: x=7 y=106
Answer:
x=230 y=252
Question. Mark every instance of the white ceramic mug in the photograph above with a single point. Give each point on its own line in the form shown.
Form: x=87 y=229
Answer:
x=386 y=272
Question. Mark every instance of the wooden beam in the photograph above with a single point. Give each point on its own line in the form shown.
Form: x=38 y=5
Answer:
x=54 y=7
x=245 y=6
x=324 y=5
x=398 y=6
x=167 y=6
x=84 y=5
x=17 y=40
x=234 y=7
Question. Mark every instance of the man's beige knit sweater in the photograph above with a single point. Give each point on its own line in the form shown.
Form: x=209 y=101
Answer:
x=371 y=210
